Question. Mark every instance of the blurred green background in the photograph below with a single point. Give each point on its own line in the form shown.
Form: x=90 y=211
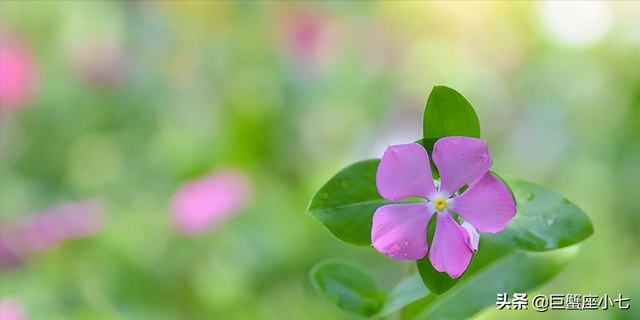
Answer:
x=133 y=99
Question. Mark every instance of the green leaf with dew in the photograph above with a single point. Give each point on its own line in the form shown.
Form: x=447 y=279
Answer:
x=545 y=220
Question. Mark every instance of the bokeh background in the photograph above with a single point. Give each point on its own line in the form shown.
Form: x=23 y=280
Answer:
x=157 y=157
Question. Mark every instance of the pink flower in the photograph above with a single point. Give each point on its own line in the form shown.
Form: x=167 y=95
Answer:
x=20 y=74
x=47 y=229
x=203 y=203
x=10 y=255
x=11 y=309
x=310 y=38
x=68 y=220
x=400 y=229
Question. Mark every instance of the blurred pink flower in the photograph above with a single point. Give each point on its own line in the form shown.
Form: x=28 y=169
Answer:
x=201 y=204
x=47 y=229
x=10 y=255
x=64 y=221
x=11 y=309
x=19 y=73
x=310 y=38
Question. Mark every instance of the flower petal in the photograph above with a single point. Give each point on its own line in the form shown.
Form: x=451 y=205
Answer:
x=404 y=171
x=474 y=237
x=460 y=160
x=400 y=230
x=487 y=204
x=449 y=250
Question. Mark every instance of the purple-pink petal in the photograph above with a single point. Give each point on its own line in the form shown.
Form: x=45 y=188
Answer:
x=449 y=250
x=400 y=230
x=404 y=171
x=474 y=236
x=487 y=204
x=460 y=160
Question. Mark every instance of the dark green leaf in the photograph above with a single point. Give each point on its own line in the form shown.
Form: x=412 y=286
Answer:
x=347 y=287
x=428 y=144
x=437 y=282
x=545 y=220
x=515 y=272
x=448 y=113
x=346 y=203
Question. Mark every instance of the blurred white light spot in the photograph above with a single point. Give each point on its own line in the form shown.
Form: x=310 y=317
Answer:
x=577 y=23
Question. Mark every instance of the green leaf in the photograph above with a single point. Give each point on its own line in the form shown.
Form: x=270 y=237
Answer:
x=347 y=287
x=515 y=272
x=408 y=290
x=545 y=220
x=448 y=113
x=489 y=251
x=346 y=203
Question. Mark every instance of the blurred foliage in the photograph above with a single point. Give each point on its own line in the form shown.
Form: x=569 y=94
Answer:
x=137 y=98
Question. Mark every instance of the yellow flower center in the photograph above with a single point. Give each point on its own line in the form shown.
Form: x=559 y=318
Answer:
x=440 y=203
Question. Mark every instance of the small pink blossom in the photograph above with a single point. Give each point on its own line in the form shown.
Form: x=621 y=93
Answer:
x=19 y=73
x=11 y=309
x=204 y=203
x=400 y=229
